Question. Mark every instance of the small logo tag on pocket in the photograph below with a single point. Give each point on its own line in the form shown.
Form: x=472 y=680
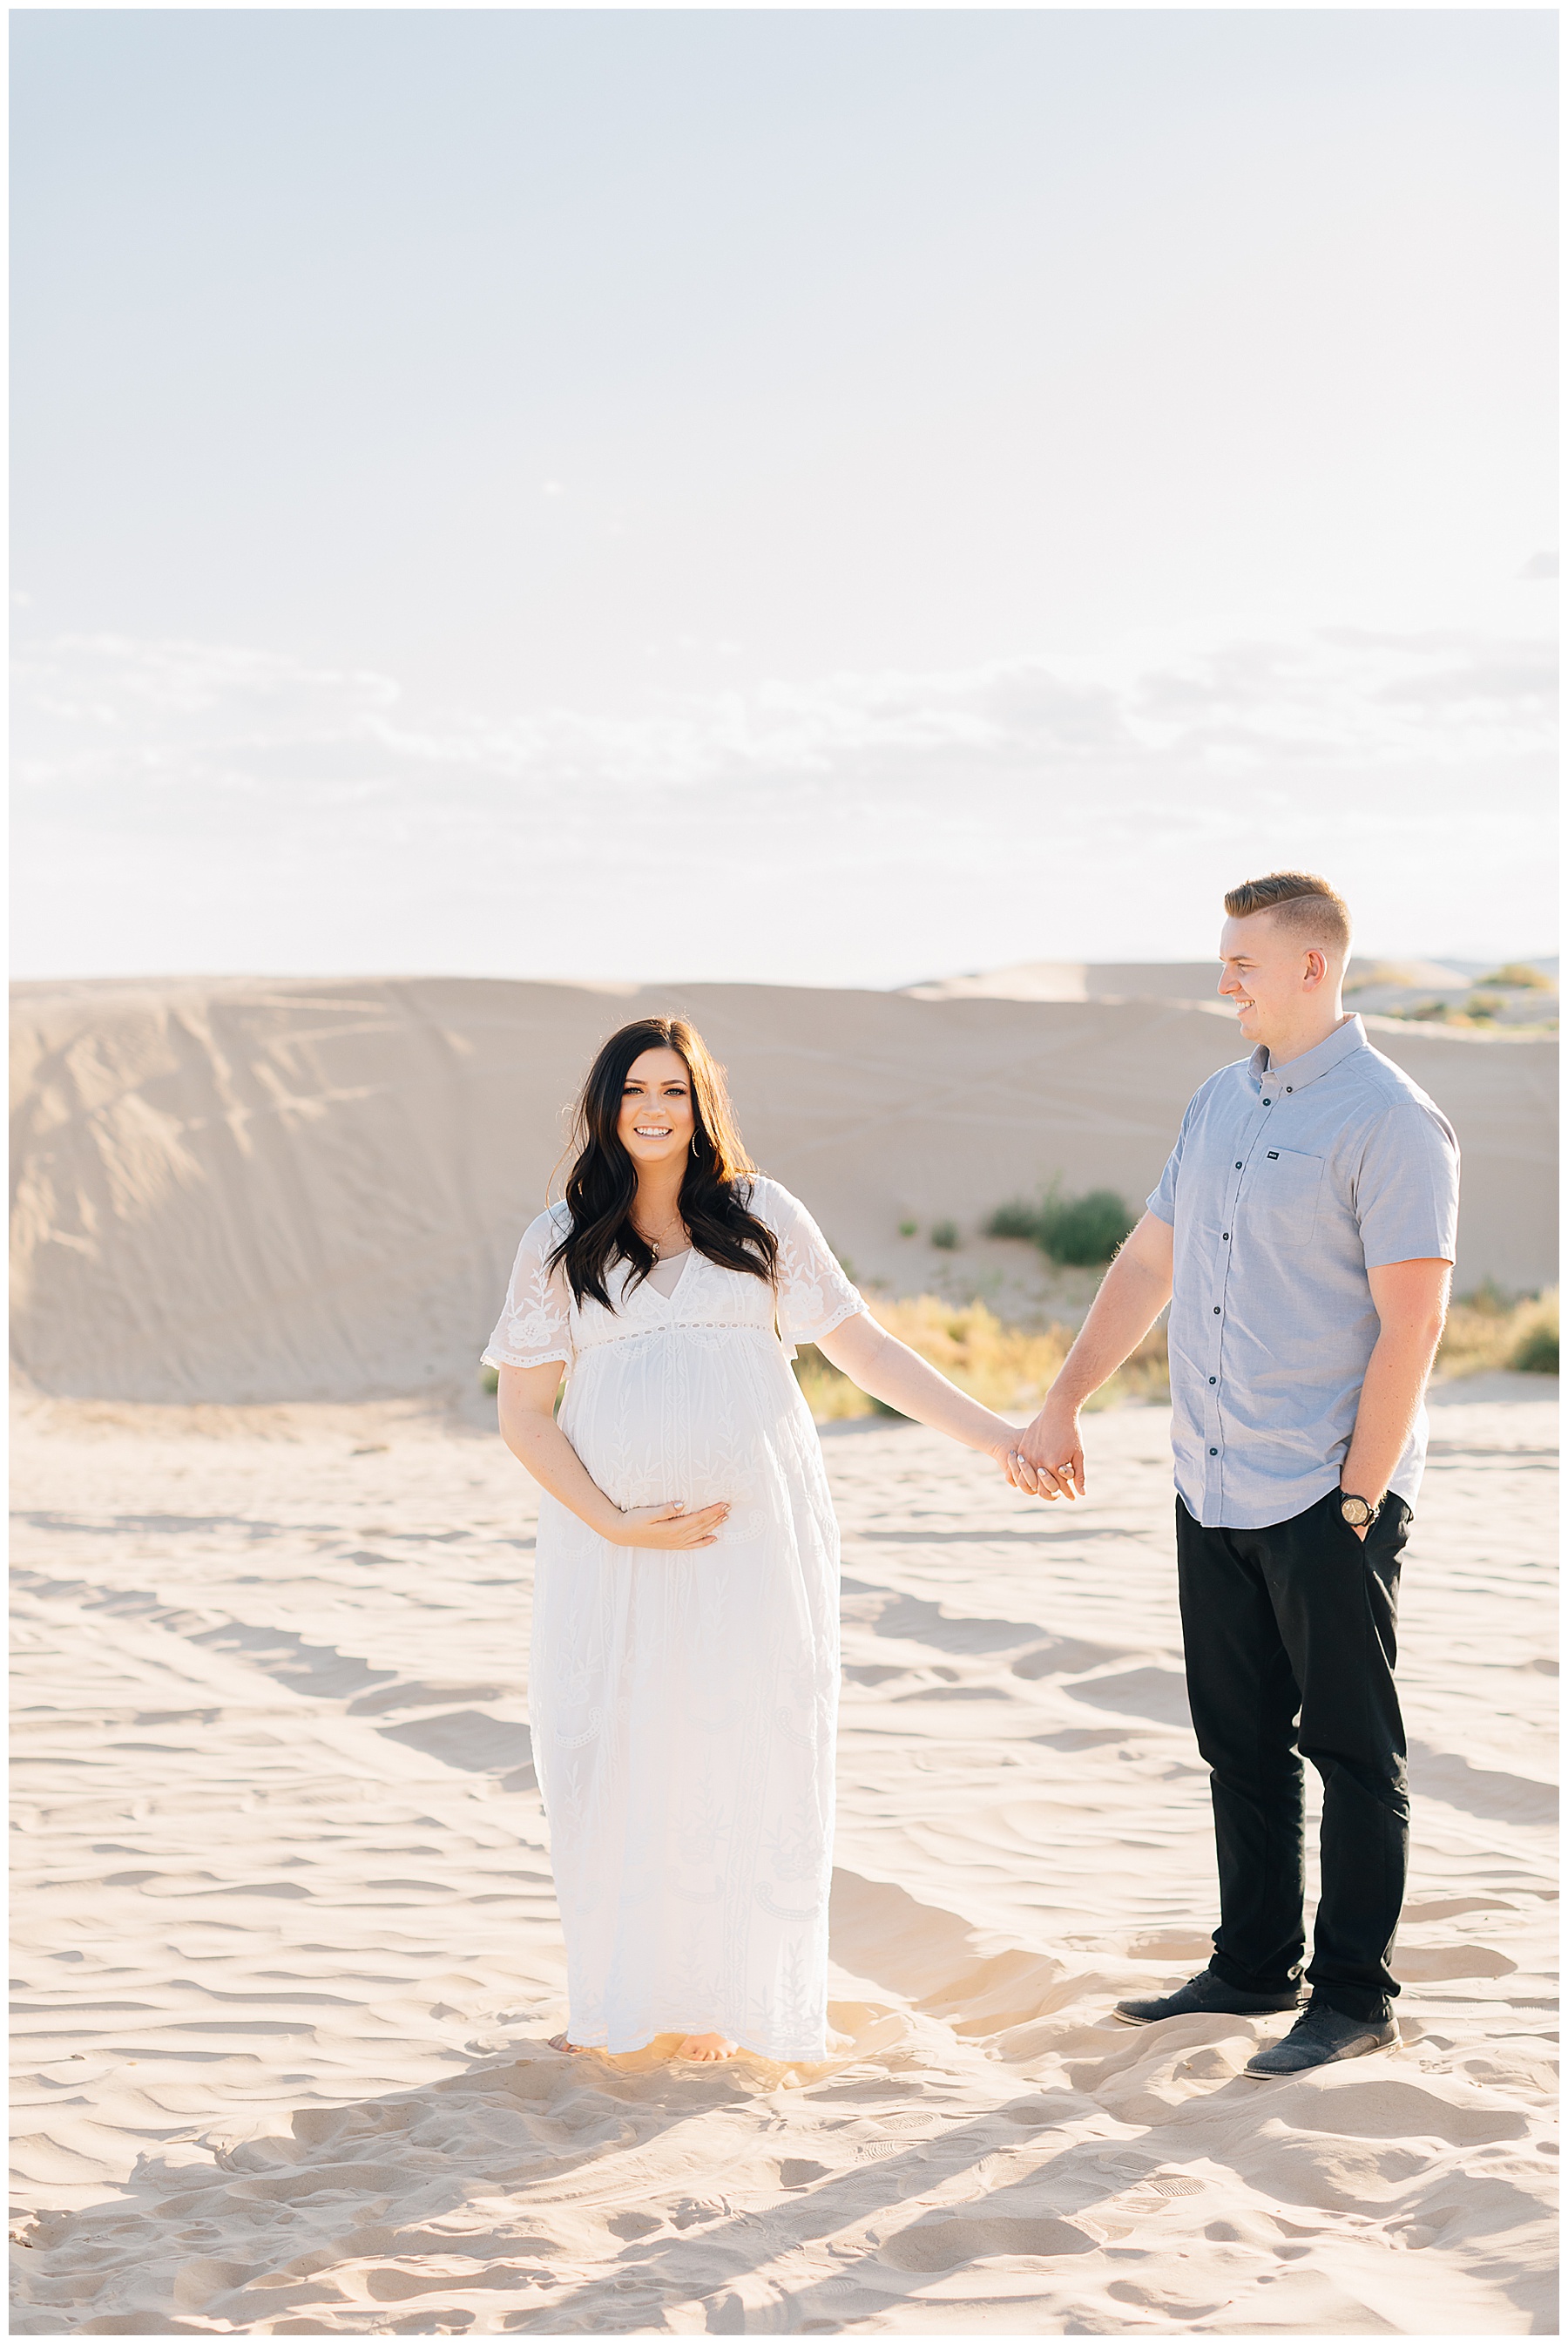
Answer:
x=1273 y=1155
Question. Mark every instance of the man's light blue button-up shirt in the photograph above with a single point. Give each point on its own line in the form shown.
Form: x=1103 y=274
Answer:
x=1286 y=1185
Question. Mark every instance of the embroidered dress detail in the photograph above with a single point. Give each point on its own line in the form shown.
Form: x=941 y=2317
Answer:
x=683 y=1705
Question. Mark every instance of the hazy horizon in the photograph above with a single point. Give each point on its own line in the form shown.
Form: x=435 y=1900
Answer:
x=835 y=497
x=1465 y=967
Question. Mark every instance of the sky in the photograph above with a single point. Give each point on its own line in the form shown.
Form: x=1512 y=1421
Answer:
x=831 y=497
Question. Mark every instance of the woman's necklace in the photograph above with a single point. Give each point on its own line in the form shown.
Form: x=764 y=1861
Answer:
x=674 y=1228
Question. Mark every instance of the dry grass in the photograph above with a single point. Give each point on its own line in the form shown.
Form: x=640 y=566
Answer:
x=1473 y=1016
x=1004 y=1367
x=1489 y=1329
x=1008 y=1367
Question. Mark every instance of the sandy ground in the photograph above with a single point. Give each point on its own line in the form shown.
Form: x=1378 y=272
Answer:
x=288 y=1950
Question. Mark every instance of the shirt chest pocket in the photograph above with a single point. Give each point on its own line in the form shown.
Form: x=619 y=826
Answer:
x=1282 y=1206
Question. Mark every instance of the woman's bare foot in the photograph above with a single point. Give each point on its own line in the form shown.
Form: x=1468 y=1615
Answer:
x=560 y=2043
x=707 y=2046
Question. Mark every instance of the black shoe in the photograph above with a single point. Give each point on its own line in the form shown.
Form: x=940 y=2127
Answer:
x=1205 y=1992
x=1321 y=2035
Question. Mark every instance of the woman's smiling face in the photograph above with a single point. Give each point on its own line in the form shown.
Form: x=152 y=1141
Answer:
x=656 y=1123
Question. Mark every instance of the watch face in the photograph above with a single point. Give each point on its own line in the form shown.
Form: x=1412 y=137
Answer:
x=1356 y=1511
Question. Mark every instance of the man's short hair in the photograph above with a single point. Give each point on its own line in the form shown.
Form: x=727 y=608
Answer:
x=1305 y=904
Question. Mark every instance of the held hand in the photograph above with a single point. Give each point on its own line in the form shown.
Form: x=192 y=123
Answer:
x=1046 y=1459
x=670 y=1529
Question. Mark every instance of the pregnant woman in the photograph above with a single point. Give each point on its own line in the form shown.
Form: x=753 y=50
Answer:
x=685 y=1669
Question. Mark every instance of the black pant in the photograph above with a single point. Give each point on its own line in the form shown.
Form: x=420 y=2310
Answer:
x=1297 y=1621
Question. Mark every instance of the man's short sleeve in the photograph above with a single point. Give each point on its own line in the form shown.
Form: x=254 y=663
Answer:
x=1407 y=1187
x=1162 y=1202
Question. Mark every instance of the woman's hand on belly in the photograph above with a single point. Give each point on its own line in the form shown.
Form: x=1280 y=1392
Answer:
x=669 y=1529
x=525 y=1400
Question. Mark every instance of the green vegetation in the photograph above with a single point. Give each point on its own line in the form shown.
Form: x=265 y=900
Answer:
x=1478 y=1015
x=1014 y=1220
x=1520 y=976
x=1010 y=1368
x=908 y=1228
x=945 y=1235
x=1082 y=1231
x=829 y=1394
x=1489 y=1329
x=1535 y=1353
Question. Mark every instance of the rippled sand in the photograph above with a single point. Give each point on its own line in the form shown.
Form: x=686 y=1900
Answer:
x=289 y=1955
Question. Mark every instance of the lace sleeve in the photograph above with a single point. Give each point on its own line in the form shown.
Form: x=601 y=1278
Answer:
x=814 y=1295
x=535 y=1324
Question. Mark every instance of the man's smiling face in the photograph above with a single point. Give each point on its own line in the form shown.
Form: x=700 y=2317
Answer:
x=1272 y=974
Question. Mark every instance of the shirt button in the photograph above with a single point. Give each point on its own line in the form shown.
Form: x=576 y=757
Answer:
x=1289 y=1088
x=1267 y=1102
x=1238 y=1163
x=1213 y=1452
x=1214 y=1379
x=1216 y=1310
x=1224 y=1237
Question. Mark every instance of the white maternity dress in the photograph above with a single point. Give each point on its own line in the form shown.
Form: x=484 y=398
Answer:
x=683 y=1705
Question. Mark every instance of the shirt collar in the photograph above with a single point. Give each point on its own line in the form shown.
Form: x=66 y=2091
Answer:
x=1314 y=1063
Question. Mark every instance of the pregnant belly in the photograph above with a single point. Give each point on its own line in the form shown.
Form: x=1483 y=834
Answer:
x=696 y=1414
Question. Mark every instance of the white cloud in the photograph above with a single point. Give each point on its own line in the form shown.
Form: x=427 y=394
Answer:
x=187 y=805
x=92 y=707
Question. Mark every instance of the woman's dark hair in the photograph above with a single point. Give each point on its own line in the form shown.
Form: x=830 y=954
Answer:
x=715 y=1194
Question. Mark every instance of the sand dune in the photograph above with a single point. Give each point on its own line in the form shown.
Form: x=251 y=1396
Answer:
x=1076 y=980
x=246 y=1190
x=288 y=1952
x=285 y=1933
x=1369 y=984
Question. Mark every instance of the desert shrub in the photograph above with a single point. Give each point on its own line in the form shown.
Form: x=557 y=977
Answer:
x=1082 y=1231
x=1015 y=1220
x=1536 y=1354
x=829 y=1394
x=1536 y=1350
x=1146 y=1376
x=945 y=1235
x=908 y=1228
x=1520 y=976
x=1004 y=1367
x=1488 y=1329
x=1486 y=1004
x=1000 y=1365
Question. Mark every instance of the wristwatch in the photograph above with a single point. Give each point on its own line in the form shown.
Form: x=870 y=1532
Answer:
x=1358 y=1513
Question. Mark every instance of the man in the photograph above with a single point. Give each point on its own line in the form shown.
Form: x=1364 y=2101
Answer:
x=1303 y=1234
